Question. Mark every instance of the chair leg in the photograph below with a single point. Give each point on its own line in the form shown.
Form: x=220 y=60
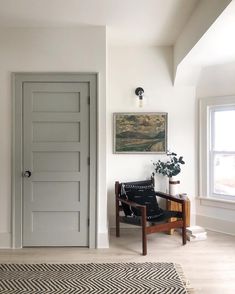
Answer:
x=144 y=240
x=184 y=239
x=144 y=233
x=117 y=219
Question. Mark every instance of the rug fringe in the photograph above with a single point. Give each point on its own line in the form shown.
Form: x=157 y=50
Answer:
x=184 y=280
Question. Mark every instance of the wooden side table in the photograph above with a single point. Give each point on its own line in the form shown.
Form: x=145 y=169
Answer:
x=170 y=205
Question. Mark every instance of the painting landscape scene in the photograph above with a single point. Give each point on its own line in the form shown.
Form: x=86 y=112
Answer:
x=140 y=133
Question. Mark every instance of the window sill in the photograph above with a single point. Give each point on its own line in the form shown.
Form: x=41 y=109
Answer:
x=214 y=202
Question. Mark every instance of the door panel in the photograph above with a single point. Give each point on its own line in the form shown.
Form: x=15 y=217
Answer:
x=56 y=131
x=56 y=161
x=56 y=102
x=56 y=151
x=51 y=192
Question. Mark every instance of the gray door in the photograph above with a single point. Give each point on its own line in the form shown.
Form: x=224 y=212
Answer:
x=56 y=153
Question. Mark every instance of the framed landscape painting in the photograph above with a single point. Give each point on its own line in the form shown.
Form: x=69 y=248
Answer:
x=140 y=132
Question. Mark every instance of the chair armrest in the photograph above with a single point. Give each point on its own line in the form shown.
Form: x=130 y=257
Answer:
x=131 y=203
x=170 y=197
x=174 y=199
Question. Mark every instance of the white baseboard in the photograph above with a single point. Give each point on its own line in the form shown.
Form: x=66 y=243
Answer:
x=103 y=240
x=215 y=224
x=5 y=240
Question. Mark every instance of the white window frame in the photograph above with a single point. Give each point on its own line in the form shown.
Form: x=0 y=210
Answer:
x=213 y=152
x=207 y=106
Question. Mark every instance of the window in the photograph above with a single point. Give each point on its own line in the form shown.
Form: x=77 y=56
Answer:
x=217 y=148
x=222 y=151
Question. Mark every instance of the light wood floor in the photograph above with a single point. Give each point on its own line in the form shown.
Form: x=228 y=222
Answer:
x=209 y=265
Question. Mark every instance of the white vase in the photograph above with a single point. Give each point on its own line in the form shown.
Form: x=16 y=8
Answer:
x=173 y=186
x=161 y=183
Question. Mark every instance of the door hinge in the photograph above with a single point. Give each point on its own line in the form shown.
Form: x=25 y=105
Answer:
x=88 y=160
x=88 y=100
x=88 y=222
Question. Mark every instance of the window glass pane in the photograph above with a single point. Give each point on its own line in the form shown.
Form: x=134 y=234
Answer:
x=224 y=122
x=224 y=174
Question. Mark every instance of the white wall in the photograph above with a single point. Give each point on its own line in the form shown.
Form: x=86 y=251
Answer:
x=215 y=81
x=50 y=50
x=150 y=68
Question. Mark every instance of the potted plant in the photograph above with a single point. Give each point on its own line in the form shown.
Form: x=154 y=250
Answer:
x=170 y=168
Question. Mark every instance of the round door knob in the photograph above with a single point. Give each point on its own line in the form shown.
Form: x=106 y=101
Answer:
x=27 y=174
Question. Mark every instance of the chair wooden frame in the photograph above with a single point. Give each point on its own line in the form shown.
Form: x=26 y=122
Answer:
x=145 y=226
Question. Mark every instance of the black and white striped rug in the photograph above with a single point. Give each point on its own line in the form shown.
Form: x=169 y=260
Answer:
x=92 y=278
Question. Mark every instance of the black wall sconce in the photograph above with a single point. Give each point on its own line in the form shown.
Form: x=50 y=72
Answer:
x=140 y=93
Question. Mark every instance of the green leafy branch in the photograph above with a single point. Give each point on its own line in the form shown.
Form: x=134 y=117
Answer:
x=171 y=167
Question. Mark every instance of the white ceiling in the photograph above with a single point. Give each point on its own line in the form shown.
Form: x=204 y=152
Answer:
x=156 y=22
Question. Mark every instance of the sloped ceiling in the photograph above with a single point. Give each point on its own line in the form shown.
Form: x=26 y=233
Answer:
x=140 y=22
x=155 y=22
x=215 y=44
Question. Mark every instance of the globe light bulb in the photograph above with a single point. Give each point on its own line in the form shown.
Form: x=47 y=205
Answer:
x=141 y=102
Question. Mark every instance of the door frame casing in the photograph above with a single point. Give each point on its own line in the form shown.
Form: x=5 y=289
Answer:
x=18 y=79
